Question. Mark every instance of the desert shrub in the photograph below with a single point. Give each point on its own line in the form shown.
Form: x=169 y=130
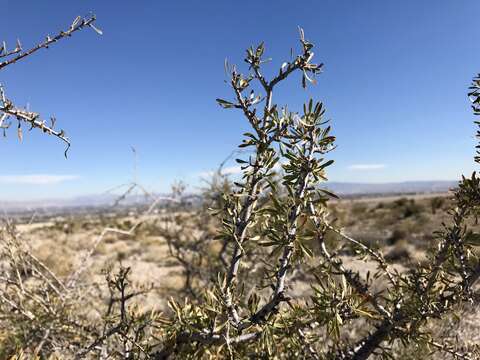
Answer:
x=412 y=209
x=405 y=208
x=436 y=204
x=399 y=203
x=380 y=205
x=241 y=298
x=359 y=209
x=271 y=322
x=399 y=253
x=397 y=234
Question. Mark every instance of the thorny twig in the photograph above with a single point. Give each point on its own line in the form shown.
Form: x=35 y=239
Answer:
x=7 y=107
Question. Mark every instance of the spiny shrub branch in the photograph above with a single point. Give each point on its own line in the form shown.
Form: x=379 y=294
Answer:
x=271 y=218
x=272 y=128
x=7 y=107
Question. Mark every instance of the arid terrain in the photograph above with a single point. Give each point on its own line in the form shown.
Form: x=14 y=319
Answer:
x=401 y=227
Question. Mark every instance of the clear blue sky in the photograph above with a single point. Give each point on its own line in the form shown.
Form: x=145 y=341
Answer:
x=395 y=82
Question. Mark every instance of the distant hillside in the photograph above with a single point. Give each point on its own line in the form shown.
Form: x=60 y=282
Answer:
x=408 y=187
x=340 y=188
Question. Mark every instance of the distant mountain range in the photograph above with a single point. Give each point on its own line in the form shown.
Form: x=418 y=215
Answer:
x=407 y=187
x=339 y=188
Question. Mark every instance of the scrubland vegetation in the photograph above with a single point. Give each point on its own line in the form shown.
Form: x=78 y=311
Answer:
x=269 y=265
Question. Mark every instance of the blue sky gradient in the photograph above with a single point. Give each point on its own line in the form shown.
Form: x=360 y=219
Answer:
x=395 y=82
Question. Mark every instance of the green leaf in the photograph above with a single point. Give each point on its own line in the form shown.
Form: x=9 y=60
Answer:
x=328 y=163
x=329 y=193
x=225 y=104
